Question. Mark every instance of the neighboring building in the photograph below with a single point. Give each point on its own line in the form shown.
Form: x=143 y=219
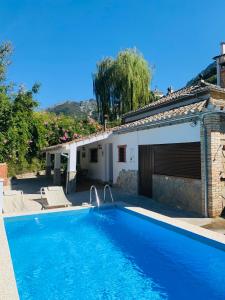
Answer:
x=172 y=150
x=157 y=93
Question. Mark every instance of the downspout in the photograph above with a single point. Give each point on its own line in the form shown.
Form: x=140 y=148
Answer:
x=206 y=168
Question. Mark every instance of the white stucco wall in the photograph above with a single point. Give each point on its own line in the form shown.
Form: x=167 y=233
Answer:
x=97 y=170
x=180 y=133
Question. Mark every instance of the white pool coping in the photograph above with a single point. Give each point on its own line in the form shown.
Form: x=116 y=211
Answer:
x=194 y=229
x=8 y=288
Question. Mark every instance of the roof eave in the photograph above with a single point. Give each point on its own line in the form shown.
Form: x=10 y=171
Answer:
x=183 y=97
x=158 y=123
x=202 y=91
x=79 y=142
x=215 y=57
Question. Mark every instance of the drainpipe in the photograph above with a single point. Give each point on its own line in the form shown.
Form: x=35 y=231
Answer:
x=206 y=168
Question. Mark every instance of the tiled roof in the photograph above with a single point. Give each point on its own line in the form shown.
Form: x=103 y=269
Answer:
x=182 y=93
x=80 y=139
x=188 y=110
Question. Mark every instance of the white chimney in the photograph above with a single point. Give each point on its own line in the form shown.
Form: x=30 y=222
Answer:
x=222 y=47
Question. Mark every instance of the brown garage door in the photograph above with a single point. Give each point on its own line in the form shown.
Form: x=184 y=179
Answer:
x=180 y=160
x=145 y=157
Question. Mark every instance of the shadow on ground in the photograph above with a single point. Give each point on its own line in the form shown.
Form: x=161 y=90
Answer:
x=32 y=185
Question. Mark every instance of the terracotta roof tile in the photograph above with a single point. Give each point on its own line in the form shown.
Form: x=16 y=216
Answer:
x=184 y=92
x=191 y=109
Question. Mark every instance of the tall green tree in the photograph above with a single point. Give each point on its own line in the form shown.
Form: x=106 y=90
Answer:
x=5 y=103
x=132 y=80
x=5 y=51
x=19 y=135
x=103 y=84
x=122 y=84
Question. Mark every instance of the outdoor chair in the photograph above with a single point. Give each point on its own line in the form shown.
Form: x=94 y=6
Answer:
x=53 y=197
x=13 y=201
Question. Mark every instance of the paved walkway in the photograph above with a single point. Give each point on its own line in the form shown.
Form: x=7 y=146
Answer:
x=31 y=188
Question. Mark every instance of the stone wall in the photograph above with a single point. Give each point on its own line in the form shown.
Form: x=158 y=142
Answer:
x=184 y=193
x=128 y=181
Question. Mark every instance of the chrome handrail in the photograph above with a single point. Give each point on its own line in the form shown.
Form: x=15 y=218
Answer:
x=110 y=192
x=96 y=195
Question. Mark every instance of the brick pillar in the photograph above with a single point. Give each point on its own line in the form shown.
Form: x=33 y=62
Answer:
x=214 y=139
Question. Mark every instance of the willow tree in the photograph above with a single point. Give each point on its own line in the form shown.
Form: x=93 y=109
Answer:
x=102 y=85
x=122 y=84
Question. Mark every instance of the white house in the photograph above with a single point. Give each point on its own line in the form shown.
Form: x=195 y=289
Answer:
x=171 y=150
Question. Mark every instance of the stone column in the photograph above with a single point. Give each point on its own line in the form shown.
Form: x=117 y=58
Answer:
x=1 y=194
x=48 y=164
x=215 y=135
x=57 y=169
x=71 y=169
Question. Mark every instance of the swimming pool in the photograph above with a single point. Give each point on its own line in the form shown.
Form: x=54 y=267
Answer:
x=110 y=254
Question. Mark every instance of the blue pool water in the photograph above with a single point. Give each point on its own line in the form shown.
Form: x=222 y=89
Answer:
x=110 y=254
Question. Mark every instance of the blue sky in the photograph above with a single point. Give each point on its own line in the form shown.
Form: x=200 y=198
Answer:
x=58 y=42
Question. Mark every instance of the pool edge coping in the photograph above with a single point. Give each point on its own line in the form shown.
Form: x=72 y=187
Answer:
x=183 y=225
x=8 y=286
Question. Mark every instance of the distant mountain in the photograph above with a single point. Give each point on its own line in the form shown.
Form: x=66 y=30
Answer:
x=208 y=74
x=80 y=109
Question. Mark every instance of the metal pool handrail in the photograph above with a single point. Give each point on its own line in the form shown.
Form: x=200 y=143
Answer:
x=96 y=195
x=110 y=192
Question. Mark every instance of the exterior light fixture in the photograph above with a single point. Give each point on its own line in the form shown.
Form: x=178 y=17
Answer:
x=193 y=123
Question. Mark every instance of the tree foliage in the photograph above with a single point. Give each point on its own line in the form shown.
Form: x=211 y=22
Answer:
x=25 y=131
x=122 y=84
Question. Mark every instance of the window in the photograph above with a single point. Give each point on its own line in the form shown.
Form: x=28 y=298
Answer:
x=122 y=153
x=94 y=155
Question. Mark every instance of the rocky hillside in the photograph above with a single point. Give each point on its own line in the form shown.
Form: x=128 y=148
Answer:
x=208 y=74
x=80 y=109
